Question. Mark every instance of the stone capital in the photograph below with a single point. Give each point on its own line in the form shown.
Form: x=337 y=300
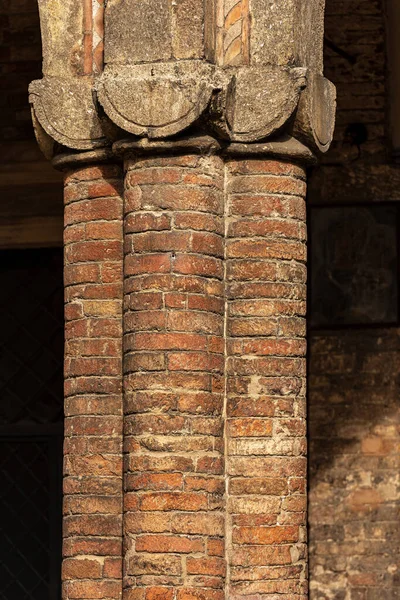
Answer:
x=154 y=69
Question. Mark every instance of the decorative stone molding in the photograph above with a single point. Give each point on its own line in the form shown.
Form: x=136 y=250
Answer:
x=64 y=102
x=156 y=99
x=66 y=110
x=244 y=72
x=250 y=117
x=315 y=119
x=233 y=36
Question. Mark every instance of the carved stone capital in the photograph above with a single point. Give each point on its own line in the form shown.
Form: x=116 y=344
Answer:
x=156 y=100
x=246 y=73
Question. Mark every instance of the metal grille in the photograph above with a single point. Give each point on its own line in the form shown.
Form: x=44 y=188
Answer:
x=31 y=415
x=31 y=337
x=29 y=518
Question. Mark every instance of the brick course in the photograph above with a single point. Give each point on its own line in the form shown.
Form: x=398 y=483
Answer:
x=174 y=378
x=213 y=410
x=265 y=413
x=93 y=384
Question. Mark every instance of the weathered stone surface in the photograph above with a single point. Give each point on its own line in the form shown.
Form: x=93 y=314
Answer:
x=62 y=36
x=153 y=30
x=272 y=39
x=191 y=144
x=259 y=101
x=164 y=62
x=45 y=141
x=283 y=146
x=137 y=31
x=287 y=32
x=188 y=26
x=66 y=111
x=310 y=34
x=315 y=119
x=156 y=100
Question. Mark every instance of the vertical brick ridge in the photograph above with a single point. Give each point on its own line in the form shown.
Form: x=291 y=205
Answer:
x=174 y=379
x=265 y=369
x=228 y=523
x=92 y=548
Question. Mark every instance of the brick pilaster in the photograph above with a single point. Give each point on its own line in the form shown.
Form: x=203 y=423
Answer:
x=93 y=384
x=214 y=476
x=174 y=378
x=266 y=370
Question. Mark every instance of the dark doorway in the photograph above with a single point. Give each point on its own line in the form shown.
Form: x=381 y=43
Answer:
x=31 y=423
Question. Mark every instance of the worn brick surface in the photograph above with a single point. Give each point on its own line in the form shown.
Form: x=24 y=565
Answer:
x=354 y=419
x=265 y=412
x=93 y=384
x=355 y=464
x=174 y=379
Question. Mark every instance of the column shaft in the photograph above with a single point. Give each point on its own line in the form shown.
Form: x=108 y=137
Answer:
x=174 y=378
x=93 y=384
x=266 y=370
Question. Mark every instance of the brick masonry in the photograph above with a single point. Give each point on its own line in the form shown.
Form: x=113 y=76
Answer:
x=93 y=384
x=353 y=376
x=174 y=378
x=355 y=464
x=213 y=410
x=265 y=369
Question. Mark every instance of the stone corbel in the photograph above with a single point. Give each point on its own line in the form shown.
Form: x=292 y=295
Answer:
x=63 y=102
x=156 y=100
x=315 y=117
x=270 y=58
x=256 y=102
x=156 y=82
x=250 y=72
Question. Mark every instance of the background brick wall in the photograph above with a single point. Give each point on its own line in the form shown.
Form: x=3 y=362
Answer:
x=31 y=206
x=354 y=419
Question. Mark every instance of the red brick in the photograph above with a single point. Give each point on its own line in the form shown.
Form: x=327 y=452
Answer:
x=195 y=361
x=250 y=427
x=103 y=188
x=112 y=568
x=93 y=590
x=93 y=251
x=265 y=535
x=200 y=594
x=93 y=405
x=99 y=209
x=169 y=543
x=81 y=273
x=155 y=481
x=206 y=566
x=173 y=501
x=160 y=593
x=146 y=222
x=92 y=173
x=81 y=569
x=273 y=167
x=170 y=341
x=251 y=183
x=154 y=175
x=198 y=265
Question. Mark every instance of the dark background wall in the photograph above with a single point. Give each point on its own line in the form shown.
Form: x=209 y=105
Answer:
x=30 y=189
x=354 y=373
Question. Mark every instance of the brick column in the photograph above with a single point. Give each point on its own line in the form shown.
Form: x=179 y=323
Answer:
x=93 y=384
x=266 y=370
x=174 y=378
